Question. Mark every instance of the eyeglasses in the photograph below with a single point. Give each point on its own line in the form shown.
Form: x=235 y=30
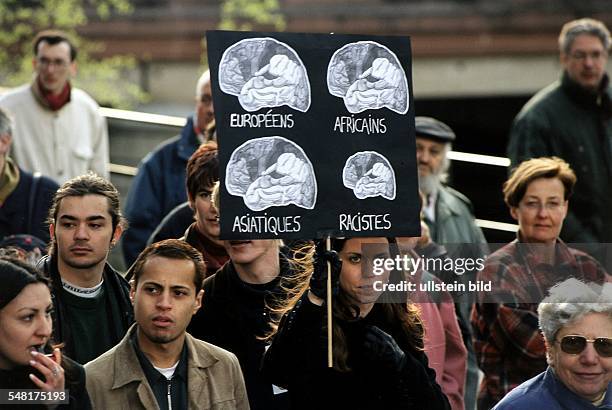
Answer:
x=594 y=55
x=536 y=206
x=575 y=344
x=59 y=63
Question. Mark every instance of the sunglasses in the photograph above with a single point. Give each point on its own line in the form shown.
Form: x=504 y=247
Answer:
x=574 y=344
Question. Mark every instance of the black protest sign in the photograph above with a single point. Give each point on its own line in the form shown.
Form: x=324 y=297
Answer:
x=316 y=135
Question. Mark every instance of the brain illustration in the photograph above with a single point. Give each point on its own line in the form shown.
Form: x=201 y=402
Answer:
x=368 y=75
x=263 y=72
x=271 y=171
x=369 y=174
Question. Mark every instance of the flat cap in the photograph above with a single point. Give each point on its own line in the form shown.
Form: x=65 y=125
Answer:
x=428 y=127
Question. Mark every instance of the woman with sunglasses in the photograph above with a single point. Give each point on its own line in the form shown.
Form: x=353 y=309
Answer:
x=576 y=320
x=507 y=340
x=27 y=359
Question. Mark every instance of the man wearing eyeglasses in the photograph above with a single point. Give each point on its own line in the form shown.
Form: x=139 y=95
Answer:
x=570 y=119
x=58 y=130
x=159 y=185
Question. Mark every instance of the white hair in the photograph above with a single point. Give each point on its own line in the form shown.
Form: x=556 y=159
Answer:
x=204 y=78
x=569 y=301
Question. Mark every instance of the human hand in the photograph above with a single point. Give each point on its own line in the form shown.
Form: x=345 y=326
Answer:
x=318 y=280
x=51 y=368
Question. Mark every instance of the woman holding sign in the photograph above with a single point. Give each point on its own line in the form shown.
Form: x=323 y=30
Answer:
x=507 y=341
x=378 y=358
x=25 y=330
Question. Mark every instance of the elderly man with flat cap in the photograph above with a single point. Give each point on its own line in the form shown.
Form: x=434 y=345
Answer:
x=448 y=213
x=450 y=219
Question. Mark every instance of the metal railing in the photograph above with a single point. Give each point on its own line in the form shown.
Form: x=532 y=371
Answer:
x=158 y=119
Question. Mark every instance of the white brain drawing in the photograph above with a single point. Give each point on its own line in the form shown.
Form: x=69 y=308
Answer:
x=271 y=171
x=263 y=72
x=369 y=174
x=368 y=75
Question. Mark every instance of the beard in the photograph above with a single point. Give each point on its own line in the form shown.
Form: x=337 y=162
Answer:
x=161 y=338
x=429 y=184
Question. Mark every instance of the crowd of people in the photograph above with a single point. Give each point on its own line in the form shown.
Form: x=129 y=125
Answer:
x=198 y=322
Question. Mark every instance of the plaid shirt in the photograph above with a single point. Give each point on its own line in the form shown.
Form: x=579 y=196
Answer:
x=507 y=340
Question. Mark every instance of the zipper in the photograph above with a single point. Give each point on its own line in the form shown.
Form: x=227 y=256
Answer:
x=169 y=394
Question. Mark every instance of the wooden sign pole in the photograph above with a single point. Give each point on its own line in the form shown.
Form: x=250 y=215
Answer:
x=330 y=354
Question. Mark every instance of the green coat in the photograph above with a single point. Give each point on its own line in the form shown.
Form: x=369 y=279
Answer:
x=454 y=222
x=565 y=121
x=116 y=381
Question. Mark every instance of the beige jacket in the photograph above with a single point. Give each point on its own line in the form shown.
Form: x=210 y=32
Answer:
x=116 y=381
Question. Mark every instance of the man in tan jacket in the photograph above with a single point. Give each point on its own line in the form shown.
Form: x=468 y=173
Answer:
x=158 y=365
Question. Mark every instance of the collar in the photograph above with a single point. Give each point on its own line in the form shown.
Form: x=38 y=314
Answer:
x=49 y=101
x=271 y=287
x=443 y=204
x=188 y=141
x=564 y=258
x=126 y=368
x=87 y=293
x=229 y=289
x=570 y=399
x=9 y=179
x=430 y=208
x=150 y=372
x=214 y=255
x=585 y=97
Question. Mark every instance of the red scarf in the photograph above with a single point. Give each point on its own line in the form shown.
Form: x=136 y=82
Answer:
x=55 y=101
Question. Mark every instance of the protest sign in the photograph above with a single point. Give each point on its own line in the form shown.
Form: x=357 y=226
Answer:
x=316 y=135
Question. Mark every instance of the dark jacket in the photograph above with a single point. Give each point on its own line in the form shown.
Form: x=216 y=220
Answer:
x=297 y=360
x=74 y=374
x=233 y=316
x=158 y=187
x=118 y=293
x=174 y=225
x=566 y=121
x=26 y=209
x=215 y=256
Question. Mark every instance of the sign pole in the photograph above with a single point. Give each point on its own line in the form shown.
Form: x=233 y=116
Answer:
x=330 y=354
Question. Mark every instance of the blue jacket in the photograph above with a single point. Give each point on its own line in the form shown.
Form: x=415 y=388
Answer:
x=546 y=392
x=24 y=211
x=158 y=187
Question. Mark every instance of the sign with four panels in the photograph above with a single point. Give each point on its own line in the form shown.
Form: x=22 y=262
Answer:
x=316 y=135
